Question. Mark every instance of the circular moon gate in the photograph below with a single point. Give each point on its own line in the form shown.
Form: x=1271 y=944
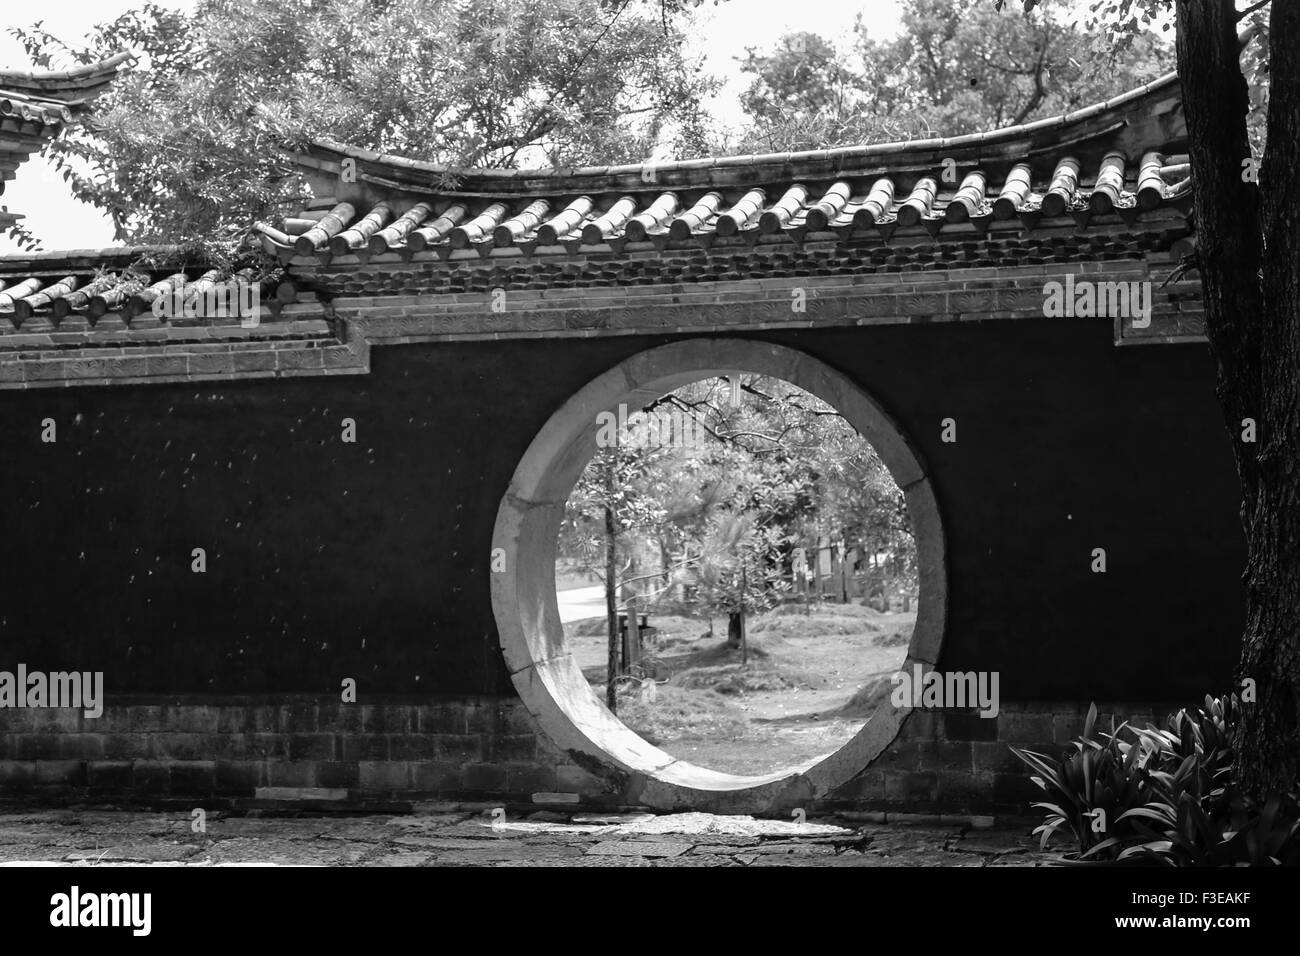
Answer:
x=545 y=674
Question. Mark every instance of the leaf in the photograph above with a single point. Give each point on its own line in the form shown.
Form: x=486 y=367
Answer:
x=1157 y=812
x=1103 y=845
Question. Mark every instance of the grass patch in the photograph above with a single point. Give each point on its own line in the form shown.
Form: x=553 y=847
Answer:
x=676 y=713
x=782 y=624
x=667 y=624
x=717 y=667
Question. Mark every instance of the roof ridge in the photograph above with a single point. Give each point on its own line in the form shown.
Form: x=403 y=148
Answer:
x=656 y=170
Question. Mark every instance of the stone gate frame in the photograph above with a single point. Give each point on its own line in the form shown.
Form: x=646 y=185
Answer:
x=549 y=680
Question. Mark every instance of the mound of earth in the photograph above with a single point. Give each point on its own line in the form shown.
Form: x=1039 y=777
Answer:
x=893 y=638
x=869 y=698
x=666 y=624
x=816 y=624
x=737 y=679
x=793 y=608
x=675 y=713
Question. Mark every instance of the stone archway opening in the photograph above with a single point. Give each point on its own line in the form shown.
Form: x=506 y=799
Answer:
x=545 y=672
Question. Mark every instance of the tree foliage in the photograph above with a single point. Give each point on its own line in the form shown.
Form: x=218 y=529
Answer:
x=190 y=144
x=776 y=469
x=957 y=66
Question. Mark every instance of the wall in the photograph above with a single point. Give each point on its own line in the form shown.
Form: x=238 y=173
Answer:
x=328 y=560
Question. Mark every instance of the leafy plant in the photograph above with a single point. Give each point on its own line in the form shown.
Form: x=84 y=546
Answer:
x=1164 y=797
x=1093 y=787
x=1247 y=835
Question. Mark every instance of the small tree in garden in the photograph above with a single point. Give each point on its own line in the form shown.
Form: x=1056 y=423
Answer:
x=610 y=501
x=740 y=571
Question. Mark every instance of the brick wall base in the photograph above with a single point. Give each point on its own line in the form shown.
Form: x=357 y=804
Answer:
x=244 y=751
x=956 y=762
x=240 y=749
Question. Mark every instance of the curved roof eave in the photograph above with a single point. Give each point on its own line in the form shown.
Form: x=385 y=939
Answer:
x=1147 y=117
x=71 y=87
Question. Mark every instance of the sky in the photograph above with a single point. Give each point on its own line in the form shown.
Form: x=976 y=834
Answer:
x=724 y=31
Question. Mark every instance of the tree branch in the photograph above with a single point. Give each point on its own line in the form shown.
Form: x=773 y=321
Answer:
x=1040 y=91
x=1251 y=9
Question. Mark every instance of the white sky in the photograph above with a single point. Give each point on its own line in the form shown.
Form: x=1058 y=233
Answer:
x=725 y=30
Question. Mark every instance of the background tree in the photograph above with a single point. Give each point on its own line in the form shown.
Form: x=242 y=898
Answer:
x=775 y=469
x=614 y=496
x=740 y=569
x=187 y=147
x=956 y=66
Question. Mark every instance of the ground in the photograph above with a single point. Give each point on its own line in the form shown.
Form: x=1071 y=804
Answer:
x=812 y=680
x=445 y=835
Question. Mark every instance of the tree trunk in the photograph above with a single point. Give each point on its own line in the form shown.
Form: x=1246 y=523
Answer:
x=1269 y=734
x=1248 y=248
x=844 y=575
x=744 y=589
x=611 y=602
x=744 y=640
x=665 y=565
x=734 y=624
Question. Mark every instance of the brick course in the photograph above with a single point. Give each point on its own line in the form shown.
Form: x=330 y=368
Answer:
x=471 y=749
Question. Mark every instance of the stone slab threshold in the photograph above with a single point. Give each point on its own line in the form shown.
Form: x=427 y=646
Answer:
x=442 y=836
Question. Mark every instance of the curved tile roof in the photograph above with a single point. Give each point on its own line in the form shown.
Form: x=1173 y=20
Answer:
x=85 y=287
x=1114 y=169
x=66 y=86
x=1130 y=122
x=1121 y=158
x=35 y=106
x=884 y=204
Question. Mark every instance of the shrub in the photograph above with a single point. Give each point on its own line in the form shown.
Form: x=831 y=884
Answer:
x=1162 y=796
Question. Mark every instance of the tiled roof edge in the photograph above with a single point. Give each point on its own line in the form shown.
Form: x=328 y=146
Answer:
x=110 y=255
x=706 y=171
x=66 y=86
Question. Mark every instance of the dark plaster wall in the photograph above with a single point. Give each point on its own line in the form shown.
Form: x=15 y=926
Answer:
x=328 y=560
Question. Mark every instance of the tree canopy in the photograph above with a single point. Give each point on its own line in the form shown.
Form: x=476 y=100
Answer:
x=189 y=145
x=773 y=468
x=957 y=66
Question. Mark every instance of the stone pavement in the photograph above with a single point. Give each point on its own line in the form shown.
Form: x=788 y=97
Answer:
x=443 y=836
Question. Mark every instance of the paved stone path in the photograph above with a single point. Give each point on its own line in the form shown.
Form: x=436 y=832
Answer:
x=466 y=837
